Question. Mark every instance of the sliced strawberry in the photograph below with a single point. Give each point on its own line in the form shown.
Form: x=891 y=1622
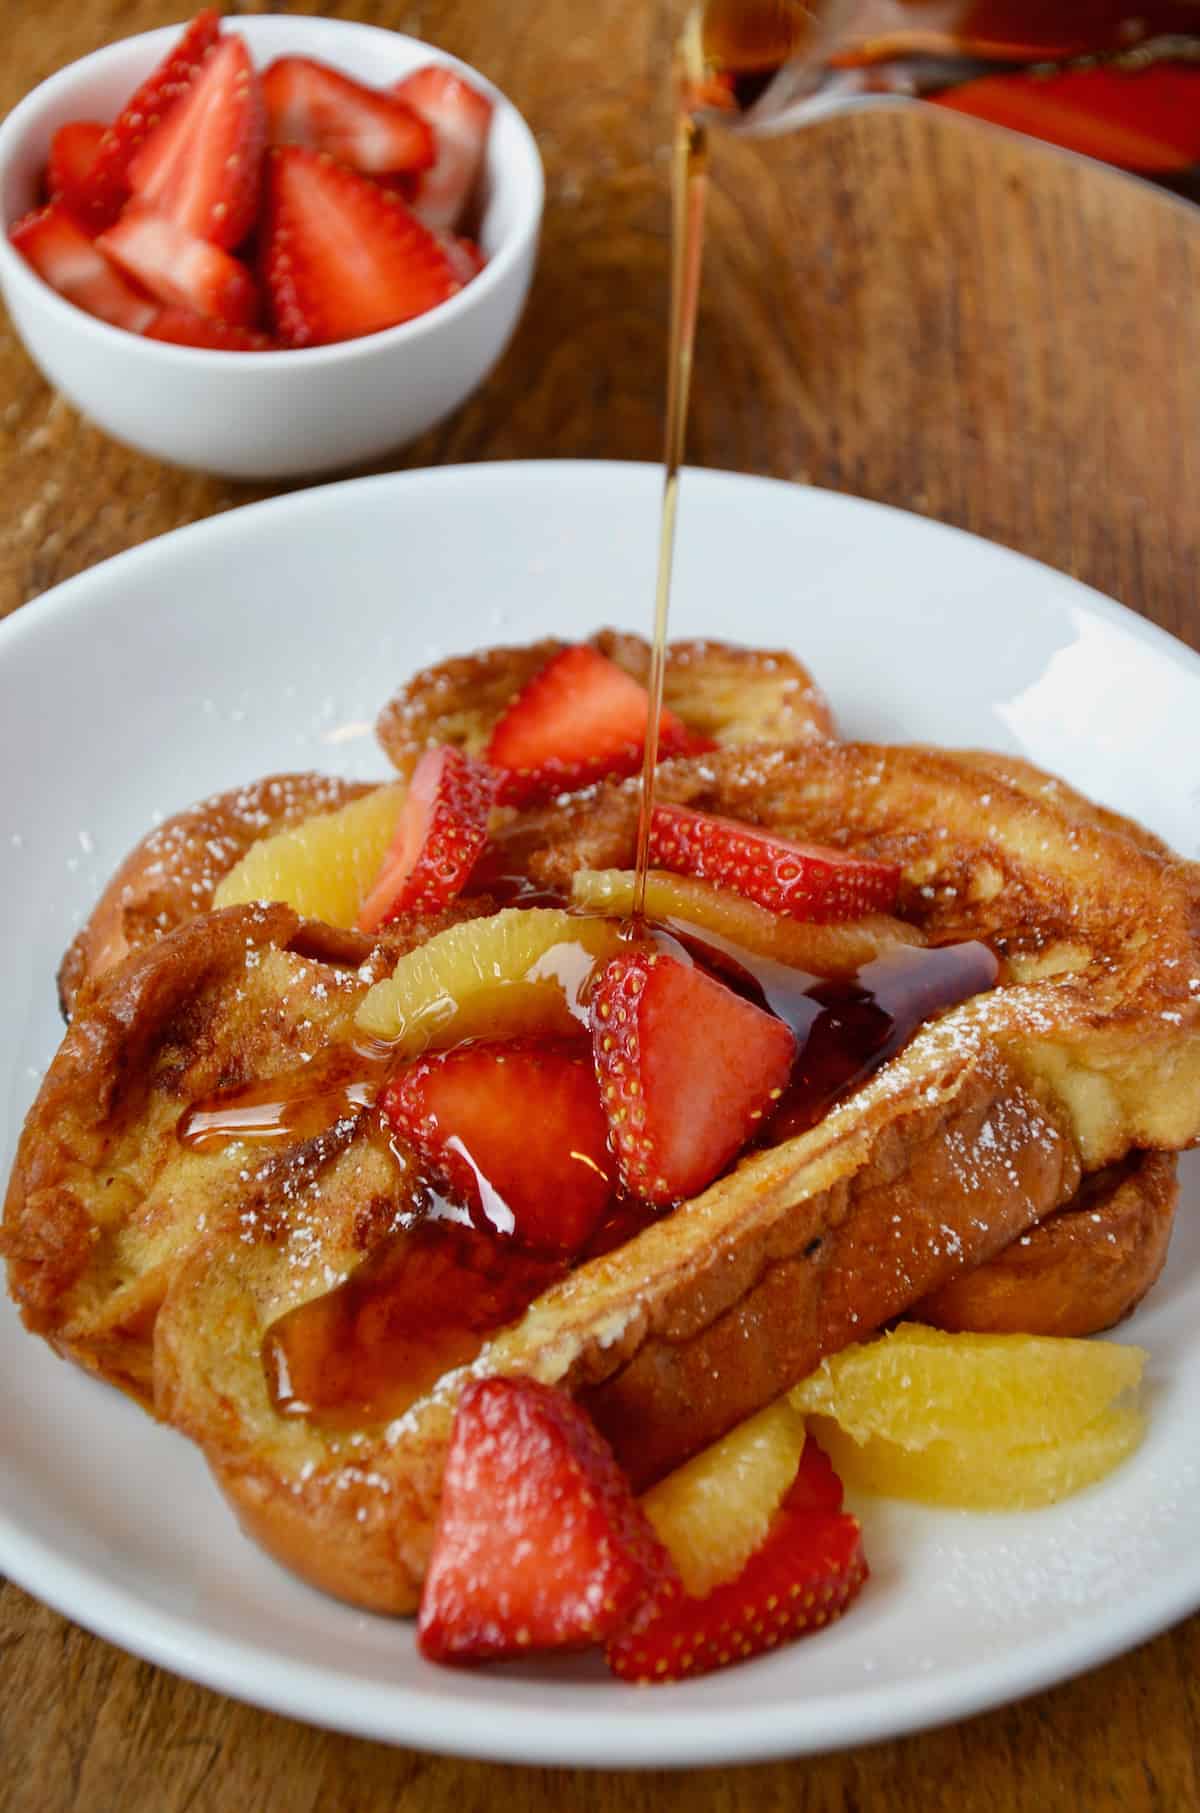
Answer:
x=61 y=253
x=687 y=1072
x=513 y=1130
x=804 y=881
x=201 y=167
x=108 y=184
x=181 y=270
x=341 y=256
x=540 y=1543
x=440 y=838
x=808 y=1568
x=460 y=117
x=580 y=718
x=183 y=327
x=687 y=1069
x=73 y=153
x=310 y=104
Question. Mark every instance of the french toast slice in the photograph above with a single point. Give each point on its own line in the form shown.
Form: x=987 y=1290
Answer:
x=104 y=1198
x=983 y=1126
x=732 y=695
x=169 y=877
x=1079 y=1272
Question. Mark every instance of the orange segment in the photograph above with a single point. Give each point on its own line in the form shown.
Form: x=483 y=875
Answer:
x=823 y=950
x=713 y=1512
x=323 y=867
x=991 y=1421
x=521 y=971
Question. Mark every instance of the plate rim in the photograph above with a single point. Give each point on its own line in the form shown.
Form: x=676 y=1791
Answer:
x=302 y=1689
x=70 y=595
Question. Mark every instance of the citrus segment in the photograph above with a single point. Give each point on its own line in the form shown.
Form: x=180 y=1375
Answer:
x=991 y=1421
x=322 y=867
x=713 y=1512
x=980 y=1475
x=520 y=971
x=823 y=950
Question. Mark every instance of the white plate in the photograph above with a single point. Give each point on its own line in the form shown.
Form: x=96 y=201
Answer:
x=268 y=639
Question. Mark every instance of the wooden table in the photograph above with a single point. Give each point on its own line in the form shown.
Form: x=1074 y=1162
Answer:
x=898 y=305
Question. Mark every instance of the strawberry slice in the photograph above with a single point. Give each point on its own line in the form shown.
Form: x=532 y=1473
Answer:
x=341 y=256
x=688 y=1070
x=540 y=1543
x=804 y=1574
x=460 y=117
x=181 y=270
x=803 y=881
x=310 y=104
x=513 y=1130
x=440 y=837
x=183 y=327
x=73 y=153
x=201 y=167
x=580 y=718
x=143 y=113
x=62 y=254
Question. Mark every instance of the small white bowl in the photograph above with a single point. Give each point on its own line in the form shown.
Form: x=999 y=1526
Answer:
x=272 y=414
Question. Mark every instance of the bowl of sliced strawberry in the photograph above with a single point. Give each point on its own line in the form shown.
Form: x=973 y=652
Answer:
x=269 y=246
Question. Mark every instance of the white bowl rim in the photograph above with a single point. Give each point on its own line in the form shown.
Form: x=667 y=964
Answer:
x=526 y=228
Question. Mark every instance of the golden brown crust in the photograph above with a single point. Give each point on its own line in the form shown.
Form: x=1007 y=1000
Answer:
x=170 y=876
x=1082 y=1270
x=104 y=1200
x=734 y=695
x=85 y=1236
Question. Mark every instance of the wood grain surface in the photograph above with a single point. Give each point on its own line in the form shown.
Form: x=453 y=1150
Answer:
x=899 y=305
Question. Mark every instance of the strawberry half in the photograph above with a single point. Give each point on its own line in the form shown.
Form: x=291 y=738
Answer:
x=579 y=719
x=687 y=1069
x=181 y=270
x=513 y=1130
x=808 y=1568
x=108 y=183
x=201 y=168
x=183 y=327
x=460 y=117
x=62 y=254
x=540 y=1543
x=803 y=881
x=310 y=104
x=73 y=153
x=341 y=256
x=440 y=837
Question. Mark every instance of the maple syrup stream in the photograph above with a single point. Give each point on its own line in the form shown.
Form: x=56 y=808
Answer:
x=689 y=181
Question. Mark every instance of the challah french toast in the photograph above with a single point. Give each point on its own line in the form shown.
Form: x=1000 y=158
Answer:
x=163 y=1262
